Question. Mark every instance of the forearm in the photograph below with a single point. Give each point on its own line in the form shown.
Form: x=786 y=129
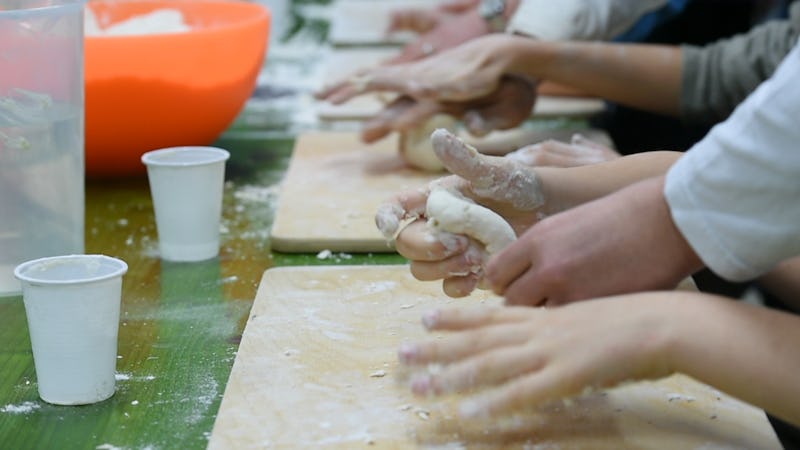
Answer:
x=784 y=282
x=744 y=350
x=564 y=188
x=647 y=77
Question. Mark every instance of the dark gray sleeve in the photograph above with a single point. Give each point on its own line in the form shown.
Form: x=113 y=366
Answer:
x=719 y=76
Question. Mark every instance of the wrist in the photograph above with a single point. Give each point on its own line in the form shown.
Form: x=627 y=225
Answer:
x=509 y=53
x=528 y=57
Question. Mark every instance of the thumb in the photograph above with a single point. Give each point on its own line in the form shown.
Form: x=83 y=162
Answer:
x=490 y=177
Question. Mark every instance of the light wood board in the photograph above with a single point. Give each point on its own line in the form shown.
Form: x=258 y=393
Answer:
x=308 y=375
x=333 y=188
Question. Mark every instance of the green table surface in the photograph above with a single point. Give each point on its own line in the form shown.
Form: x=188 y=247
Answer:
x=180 y=322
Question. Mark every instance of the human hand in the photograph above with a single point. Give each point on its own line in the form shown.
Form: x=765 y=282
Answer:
x=507 y=107
x=579 y=152
x=506 y=188
x=471 y=70
x=439 y=30
x=623 y=242
x=417 y=20
x=513 y=357
x=420 y=20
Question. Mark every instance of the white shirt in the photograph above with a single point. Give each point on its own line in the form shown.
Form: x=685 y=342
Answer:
x=578 y=19
x=735 y=195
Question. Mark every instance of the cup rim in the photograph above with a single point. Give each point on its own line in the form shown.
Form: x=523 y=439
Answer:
x=21 y=269
x=215 y=155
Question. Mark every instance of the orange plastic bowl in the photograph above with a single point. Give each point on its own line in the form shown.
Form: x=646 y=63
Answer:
x=151 y=91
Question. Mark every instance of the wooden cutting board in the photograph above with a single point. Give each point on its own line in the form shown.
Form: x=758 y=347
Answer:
x=316 y=368
x=335 y=183
x=333 y=188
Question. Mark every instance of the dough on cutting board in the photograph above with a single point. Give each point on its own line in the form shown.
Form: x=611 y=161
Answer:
x=416 y=147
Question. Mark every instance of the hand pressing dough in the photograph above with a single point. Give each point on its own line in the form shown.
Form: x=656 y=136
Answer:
x=416 y=147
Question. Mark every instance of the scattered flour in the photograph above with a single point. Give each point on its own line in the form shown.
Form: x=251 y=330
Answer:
x=129 y=377
x=337 y=257
x=259 y=194
x=107 y=447
x=22 y=408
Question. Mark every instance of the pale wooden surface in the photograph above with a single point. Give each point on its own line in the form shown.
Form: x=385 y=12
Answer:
x=342 y=62
x=333 y=188
x=306 y=376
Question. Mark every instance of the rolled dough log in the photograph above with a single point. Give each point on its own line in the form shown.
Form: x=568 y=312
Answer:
x=453 y=213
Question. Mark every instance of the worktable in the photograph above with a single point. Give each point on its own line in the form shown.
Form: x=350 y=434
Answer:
x=180 y=323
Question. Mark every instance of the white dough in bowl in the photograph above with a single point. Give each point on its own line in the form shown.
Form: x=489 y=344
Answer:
x=159 y=21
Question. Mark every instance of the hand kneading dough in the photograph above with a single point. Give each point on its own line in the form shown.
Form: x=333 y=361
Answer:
x=416 y=147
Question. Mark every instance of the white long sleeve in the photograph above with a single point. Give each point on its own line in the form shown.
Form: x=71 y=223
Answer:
x=735 y=196
x=578 y=19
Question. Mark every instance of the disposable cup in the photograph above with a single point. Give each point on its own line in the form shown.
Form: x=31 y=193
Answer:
x=186 y=185
x=72 y=303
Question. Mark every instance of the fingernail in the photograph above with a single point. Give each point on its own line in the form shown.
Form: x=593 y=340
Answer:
x=421 y=384
x=407 y=353
x=429 y=319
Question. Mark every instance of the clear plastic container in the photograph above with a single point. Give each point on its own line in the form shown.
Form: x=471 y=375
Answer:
x=41 y=133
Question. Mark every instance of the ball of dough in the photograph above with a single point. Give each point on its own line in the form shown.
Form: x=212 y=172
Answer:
x=416 y=147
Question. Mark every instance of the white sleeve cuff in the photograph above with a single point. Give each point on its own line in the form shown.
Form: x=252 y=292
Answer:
x=578 y=19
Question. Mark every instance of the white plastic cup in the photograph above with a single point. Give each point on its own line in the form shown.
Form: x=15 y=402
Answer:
x=72 y=303
x=186 y=184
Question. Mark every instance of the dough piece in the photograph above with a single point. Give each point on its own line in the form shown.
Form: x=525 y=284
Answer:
x=416 y=147
x=453 y=213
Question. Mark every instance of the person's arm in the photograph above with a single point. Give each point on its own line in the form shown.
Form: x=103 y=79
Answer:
x=719 y=76
x=442 y=28
x=521 y=195
x=641 y=76
x=621 y=243
x=784 y=282
x=734 y=195
x=578 y=19
x=512 y=358
x=565 y=188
